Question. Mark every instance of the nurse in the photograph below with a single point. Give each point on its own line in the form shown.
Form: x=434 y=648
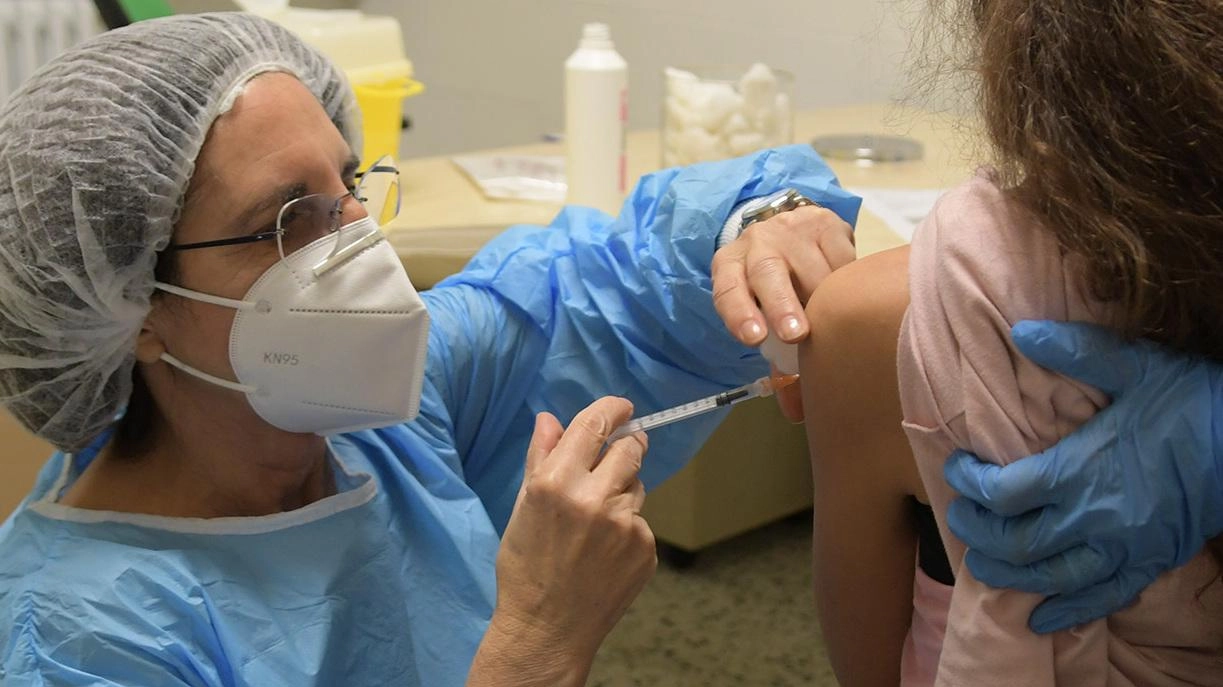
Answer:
x=280 y=464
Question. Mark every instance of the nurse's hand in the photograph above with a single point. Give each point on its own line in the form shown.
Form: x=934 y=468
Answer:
x=1136 y=491
x=763 y=278
x=576 y=551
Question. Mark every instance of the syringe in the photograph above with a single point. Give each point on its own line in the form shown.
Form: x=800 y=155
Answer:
x=765 y=386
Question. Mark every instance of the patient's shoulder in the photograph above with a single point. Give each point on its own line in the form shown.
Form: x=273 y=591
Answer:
x=979 y=264
x=977 y=233
x=980 y=256
x=869 y=293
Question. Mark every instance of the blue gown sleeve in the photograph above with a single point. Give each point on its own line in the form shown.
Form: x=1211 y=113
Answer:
x=552 y=318
x=94 y=657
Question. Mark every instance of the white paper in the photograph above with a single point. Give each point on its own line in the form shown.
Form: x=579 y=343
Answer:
x=902 y=209
x=516 y=177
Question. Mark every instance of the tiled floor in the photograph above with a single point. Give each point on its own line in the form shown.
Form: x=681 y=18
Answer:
x=741 y=616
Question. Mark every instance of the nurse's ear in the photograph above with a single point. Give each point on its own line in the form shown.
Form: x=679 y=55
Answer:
x=149 y=342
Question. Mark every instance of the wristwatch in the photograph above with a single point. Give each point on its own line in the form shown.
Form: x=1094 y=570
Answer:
x=760 y=209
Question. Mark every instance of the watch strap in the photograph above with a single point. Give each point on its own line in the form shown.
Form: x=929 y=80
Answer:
x=734 y=224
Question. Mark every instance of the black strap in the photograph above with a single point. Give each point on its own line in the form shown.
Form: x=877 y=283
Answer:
x=931 y=556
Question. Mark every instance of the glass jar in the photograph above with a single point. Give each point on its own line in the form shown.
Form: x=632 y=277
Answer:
x=713 y=113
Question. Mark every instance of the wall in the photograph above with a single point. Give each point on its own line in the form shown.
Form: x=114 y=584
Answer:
x=23 y=455
x=182 y=6
x=494 y=69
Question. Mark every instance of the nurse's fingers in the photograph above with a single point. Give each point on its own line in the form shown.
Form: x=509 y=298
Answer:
x=764 y=277
x=732 y=296
x=1017 y=540
x=1100 y=600
x=547 y=433
x=1074 y=569
x=1006 y=490
x=815 y=241
x=771 y=275
x=579 y=447
x=637 y=496
x=836 y=241
x=630 y=501
x=620 y=465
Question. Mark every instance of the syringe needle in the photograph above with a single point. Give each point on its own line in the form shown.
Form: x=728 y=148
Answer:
x=765 y=386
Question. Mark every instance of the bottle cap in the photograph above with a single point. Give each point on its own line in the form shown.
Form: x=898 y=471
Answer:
x=596 y=35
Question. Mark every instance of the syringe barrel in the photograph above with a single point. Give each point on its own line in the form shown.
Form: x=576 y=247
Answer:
x=761 y=387
x=624 y=430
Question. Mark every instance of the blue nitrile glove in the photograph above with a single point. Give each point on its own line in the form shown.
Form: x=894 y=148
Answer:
x=1134 y=492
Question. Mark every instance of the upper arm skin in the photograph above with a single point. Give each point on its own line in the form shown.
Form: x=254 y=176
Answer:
x=863 y=471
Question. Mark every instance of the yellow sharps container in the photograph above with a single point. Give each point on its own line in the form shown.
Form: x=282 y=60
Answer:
x=369 y=48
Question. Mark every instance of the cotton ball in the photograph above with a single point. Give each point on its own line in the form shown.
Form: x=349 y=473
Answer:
x=712 y=120
x=742 y=144
x=764 y=120
x=675 y=76
x=719 y=104
x=681 y=84
x=758 y=87
x=677 y=115
x=693 y=93
x=736 y=124
x=695 y=143
x=785 y=119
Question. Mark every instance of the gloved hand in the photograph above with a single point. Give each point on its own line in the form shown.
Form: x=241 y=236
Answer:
x=1136 y=491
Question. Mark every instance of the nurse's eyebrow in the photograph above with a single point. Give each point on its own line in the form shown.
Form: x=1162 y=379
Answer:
x=281 y=195
x=271 y=201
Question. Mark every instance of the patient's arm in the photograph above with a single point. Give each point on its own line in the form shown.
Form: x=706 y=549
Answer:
x=864 y=541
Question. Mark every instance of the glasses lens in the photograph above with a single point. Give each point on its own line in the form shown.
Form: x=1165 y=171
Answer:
x=379 y=190
x=305 y=220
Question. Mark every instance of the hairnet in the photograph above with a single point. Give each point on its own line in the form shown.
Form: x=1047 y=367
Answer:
x=96 y=151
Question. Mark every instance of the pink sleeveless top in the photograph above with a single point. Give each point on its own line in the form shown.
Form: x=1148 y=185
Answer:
x=979 y=264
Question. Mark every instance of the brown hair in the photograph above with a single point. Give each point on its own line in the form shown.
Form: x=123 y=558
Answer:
x=1107 y=120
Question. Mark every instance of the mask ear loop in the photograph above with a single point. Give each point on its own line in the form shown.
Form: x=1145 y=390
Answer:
x=205 y=297
x=225 y=383
x=215 y=300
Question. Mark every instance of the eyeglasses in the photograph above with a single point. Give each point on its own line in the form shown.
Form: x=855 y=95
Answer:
x=304 y=220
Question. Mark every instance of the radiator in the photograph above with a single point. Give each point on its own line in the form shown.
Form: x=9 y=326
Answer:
x=34 y=31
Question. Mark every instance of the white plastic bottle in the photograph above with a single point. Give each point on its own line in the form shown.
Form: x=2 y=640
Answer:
x=596 y=110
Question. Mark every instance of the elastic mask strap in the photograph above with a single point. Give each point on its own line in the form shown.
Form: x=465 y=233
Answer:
x=200 y=374
x=204 y=297
x=215 y=300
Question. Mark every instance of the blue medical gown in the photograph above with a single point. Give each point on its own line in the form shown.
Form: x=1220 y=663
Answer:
x=391 y=580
